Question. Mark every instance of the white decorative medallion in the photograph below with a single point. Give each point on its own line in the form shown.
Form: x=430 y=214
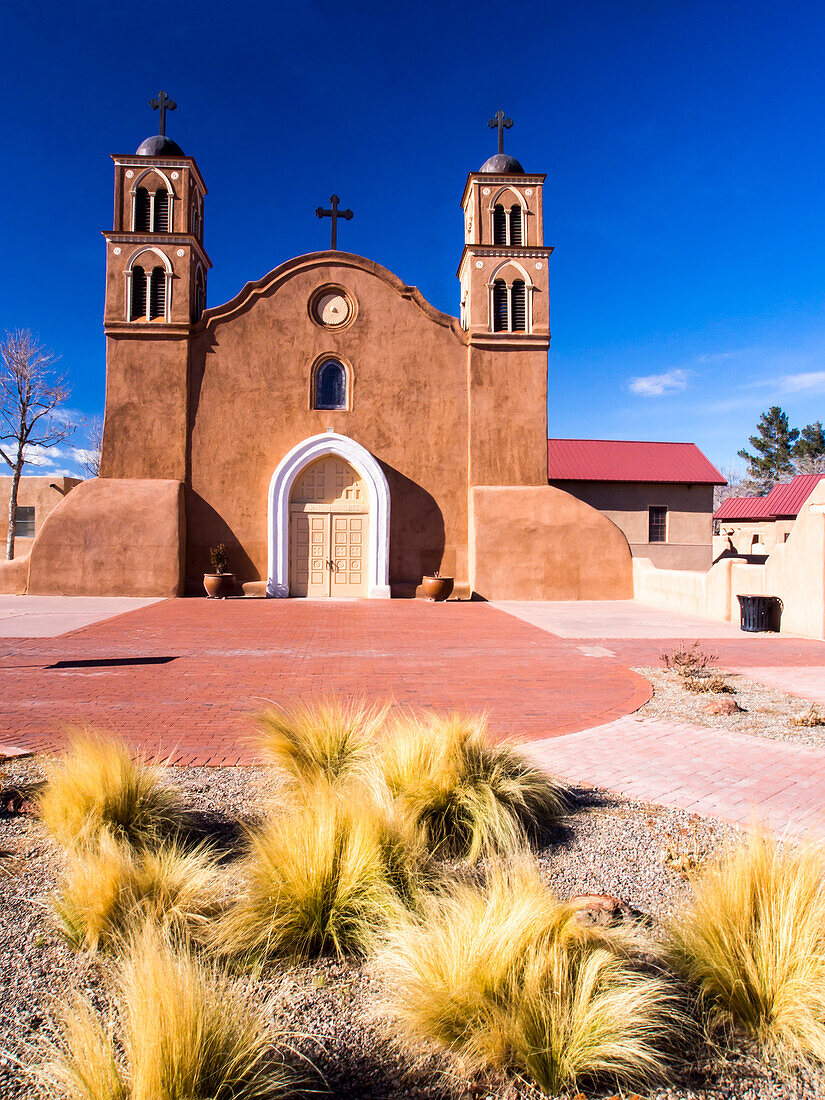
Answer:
x=175 y=175
x=129 y=174
x=181 y=251
x=479 y=263
x=539 y=266
x=332 y=309
x=486 y=190
x=529 y=192
x=117 y=251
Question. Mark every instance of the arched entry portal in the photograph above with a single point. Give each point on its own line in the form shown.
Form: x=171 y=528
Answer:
x=357 y=470
x=328 y=526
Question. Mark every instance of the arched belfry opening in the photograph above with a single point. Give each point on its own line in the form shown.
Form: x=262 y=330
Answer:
x=329 y=522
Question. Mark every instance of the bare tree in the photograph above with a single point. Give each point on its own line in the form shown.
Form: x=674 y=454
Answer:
x=89 y=456
x=737 y=485
x=30 y=394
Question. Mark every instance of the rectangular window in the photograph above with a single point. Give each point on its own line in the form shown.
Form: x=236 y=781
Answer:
x=657 y=524
x=24 y=522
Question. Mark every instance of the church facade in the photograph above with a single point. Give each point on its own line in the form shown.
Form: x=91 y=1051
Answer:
x=336 y=432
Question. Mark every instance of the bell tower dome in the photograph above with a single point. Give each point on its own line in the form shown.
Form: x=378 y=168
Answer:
x=503 y=269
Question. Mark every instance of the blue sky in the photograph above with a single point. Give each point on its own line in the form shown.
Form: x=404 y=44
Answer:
x=682 y=141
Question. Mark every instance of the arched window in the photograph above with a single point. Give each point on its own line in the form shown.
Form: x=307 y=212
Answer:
x=500 y=310
x=195 y=220
x=515 y=225
x=142 y=211
x=157 y=294
x=518 y=307
x=331 y=385
x=200 y=294
x=160 y=211
x=137 y=311
x=499 y=225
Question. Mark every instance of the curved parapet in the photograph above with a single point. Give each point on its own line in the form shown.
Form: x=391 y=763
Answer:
x=541 y=543
x=112 y=537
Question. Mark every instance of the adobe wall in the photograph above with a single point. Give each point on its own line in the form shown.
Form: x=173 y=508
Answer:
x=41 y=492
x=795 y=572
x=540 y=543
x=690 y=518
x=250 y=404
x=111 y=537
x=768 y=533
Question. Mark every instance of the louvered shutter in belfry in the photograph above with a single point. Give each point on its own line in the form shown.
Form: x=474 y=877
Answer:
x=157 y=294
x=142 y=210
x=515 y=225
x=138 y=310
x=519 y=305
x=499 y=306
x=161 y=213
x=499 y=225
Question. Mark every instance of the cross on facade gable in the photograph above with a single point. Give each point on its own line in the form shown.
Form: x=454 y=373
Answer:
x=163 y=104
x=501 y=123
x=335 y=214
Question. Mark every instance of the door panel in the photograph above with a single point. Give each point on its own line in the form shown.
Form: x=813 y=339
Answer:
x=349 y=547
x=309 y=554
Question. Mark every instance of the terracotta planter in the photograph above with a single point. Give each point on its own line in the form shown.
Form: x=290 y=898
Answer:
x=437 y=588
x=219 y=585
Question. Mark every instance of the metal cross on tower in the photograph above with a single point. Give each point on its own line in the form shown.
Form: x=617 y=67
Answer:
x=163 y=104
x=335 y=214
x=501 y=123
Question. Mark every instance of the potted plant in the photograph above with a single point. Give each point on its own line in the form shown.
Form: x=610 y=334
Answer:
x=219 y=584
x=436 y=587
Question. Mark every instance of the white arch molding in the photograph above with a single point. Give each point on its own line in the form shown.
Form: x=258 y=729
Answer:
x=280 y=487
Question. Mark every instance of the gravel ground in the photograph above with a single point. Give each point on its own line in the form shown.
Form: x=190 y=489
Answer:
x=766 y=712
x=332 y=1009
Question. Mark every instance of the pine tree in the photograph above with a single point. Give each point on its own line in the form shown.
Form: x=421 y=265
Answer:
x=809 y=449
x=773 y=445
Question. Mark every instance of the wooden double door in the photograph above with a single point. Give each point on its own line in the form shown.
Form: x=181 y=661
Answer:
x=328 y=528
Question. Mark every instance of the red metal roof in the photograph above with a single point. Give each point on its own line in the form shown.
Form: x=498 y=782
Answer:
x=788 y=498
x=743 y=508
x=628 y=460
x=785 y=499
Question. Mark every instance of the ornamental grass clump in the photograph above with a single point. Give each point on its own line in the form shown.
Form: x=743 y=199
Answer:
x=469 y=797
x=330 y=740
x=107 y=893
x=505 y=978
x=183 y=1030
x=323 y=878
x=96 y=786
x=752 y=940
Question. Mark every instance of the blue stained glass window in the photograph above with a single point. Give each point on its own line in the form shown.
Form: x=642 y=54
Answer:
x=331 y=386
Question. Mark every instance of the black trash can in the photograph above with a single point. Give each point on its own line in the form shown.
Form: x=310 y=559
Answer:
x=759 y=613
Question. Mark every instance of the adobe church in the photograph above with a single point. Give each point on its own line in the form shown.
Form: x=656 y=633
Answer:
x=340 y=435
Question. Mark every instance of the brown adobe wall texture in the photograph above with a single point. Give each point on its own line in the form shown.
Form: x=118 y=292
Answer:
x=540 y=543
x=43 y=492
x=14 y=576
x=112 y=537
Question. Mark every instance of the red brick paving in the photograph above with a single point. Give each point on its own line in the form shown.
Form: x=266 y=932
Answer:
x=229 y=656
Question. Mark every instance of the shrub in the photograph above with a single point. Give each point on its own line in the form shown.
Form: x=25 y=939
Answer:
x=752 y=939
x=108 y=892
x=97 y=786
x=330 y=740
x=718 y=685
x=505 y=977
x=809 y=717
x=323 y=878
x=191 y=1033
x=80 y=1062
x=469 y=797
x=687 y=660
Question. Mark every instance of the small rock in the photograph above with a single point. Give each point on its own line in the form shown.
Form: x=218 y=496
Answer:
x=602 y=909
x=722 y=706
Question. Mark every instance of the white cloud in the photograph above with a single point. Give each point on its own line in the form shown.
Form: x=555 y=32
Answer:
x=806 y=382
x=657 y=385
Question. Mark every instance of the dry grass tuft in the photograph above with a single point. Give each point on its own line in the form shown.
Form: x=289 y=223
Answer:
x=718 y=685
x=470 y=798
x=97 y=786
x=192 y=1033
x=108 y=892
x=506 y=978
x=810 y=717
x=324 y=878
x=80 y=1061
x=330 y=740
x=752 y=939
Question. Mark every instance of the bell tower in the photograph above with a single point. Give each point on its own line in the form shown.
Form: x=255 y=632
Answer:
x=156 y=269
x=505 y=311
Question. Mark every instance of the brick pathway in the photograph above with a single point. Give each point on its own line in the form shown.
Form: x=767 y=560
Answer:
x=181 y=677
x=716 y=773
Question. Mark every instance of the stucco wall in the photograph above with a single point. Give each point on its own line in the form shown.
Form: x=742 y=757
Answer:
x=41 y=492
x=112 y=537
x=689 y=520
x=795 y=572
x=769 y=533
x=540 y=543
